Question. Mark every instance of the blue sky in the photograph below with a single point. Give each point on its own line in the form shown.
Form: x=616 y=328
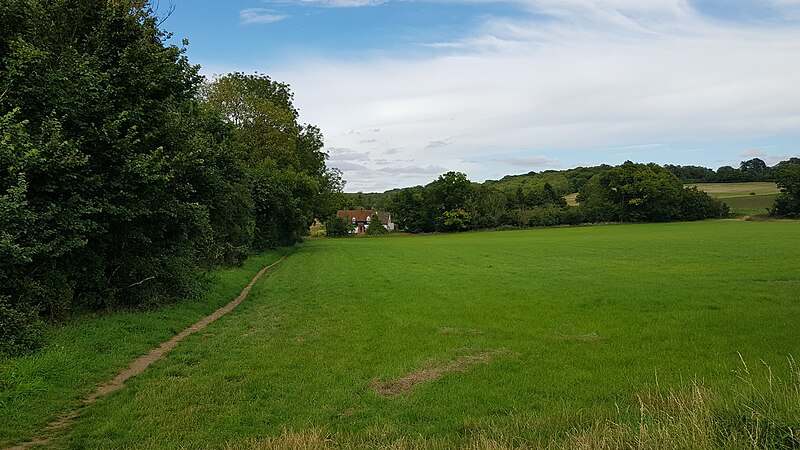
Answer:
x=406 y=90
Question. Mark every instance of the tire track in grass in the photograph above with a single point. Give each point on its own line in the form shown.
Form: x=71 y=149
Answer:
x=139 y=366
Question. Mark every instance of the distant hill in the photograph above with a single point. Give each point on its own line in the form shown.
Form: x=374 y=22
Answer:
x=570 y=181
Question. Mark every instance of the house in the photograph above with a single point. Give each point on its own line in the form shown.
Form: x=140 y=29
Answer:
x=361 y=218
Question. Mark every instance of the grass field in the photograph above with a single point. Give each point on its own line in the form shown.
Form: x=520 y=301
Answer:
x=584 y=337
x=744 y=199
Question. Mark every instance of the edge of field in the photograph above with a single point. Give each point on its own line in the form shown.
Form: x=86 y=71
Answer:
x=88 y=350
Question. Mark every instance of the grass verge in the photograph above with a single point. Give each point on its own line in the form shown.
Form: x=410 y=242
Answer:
x=91 y=349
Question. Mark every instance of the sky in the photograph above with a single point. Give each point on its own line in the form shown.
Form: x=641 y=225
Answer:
x=406 y=90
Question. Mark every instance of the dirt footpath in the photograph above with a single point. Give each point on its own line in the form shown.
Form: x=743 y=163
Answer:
x=139 y=365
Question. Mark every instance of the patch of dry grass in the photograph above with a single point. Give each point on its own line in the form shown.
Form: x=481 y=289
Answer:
x=432 y=373
x=467 y=331
x=724 y=190
x=762 y=413
x=588 y=337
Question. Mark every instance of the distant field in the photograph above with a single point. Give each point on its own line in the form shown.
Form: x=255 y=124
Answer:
x=572 y=199
x=489 y=340
x=744 y=198
x=727 y=190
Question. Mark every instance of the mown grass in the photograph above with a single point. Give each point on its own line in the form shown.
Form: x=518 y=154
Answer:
x=89 y=350
x=744 y=199
x=570 y=332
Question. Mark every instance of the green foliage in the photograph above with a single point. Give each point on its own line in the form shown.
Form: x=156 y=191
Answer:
x=788 y=179
x=20 y=329
x=752 y=170
x=102 y=159
x=411 y=209
x=290 y=184
x=629 y=193
x=336 y=226
x=491 y=207
x=120 y=181
x=691 y=174
x=455 y=220
x=375 y=227
x=450 y=191
x=698 y=205
x=644 y=193
x=377 y=201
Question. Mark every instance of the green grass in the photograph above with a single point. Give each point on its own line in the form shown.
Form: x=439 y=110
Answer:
x=89 y=350
x=744 y=199
x=596 y=333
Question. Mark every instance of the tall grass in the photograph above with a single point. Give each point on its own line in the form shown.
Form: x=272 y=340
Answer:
x=762 y=411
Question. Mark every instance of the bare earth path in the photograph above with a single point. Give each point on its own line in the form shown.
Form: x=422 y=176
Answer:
x=139 y=365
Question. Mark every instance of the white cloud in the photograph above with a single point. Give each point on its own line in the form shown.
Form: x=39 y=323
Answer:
x=332 y=3
x=436 y=144
x=345 y=154
x=530 y=162
x=346 y=166
x=415 y=170
x=259 y=16
x=753 y=153
x=597 y=74
x=761 y=153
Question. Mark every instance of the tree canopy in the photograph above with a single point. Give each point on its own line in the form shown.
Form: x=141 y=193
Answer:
x=123 y=174
x=626 y=193
x=787 y=176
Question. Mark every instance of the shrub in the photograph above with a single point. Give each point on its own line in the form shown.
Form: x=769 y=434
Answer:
x=335 y=226
x=21 y=330
x=375 y=227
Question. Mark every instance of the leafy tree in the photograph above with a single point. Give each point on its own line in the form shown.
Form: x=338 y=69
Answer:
x=455 y=220
x=114 y=182
x=375 y=227
x=120 y=178
x=545 y=216
x=335 y=226
x=490 y=206
x=290 y=184
x=551 y=197
x=727 y=174
x=698 y=205
x=787 y=176
x=754 y=170
x=449 y=193
x=643 y=193
x=692 y=174
x=412 y=210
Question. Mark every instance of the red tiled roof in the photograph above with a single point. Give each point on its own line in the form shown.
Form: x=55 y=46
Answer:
x=360 y=214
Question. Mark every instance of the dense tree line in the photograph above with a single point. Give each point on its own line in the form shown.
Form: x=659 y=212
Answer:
x=626 y=193
x=754 y=169
x=123 y=174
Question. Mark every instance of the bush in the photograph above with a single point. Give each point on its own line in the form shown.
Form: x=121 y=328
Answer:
x=788 y=203
x=335 y=226
x=454 y=220
x=375 y=227
x=21 y=331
